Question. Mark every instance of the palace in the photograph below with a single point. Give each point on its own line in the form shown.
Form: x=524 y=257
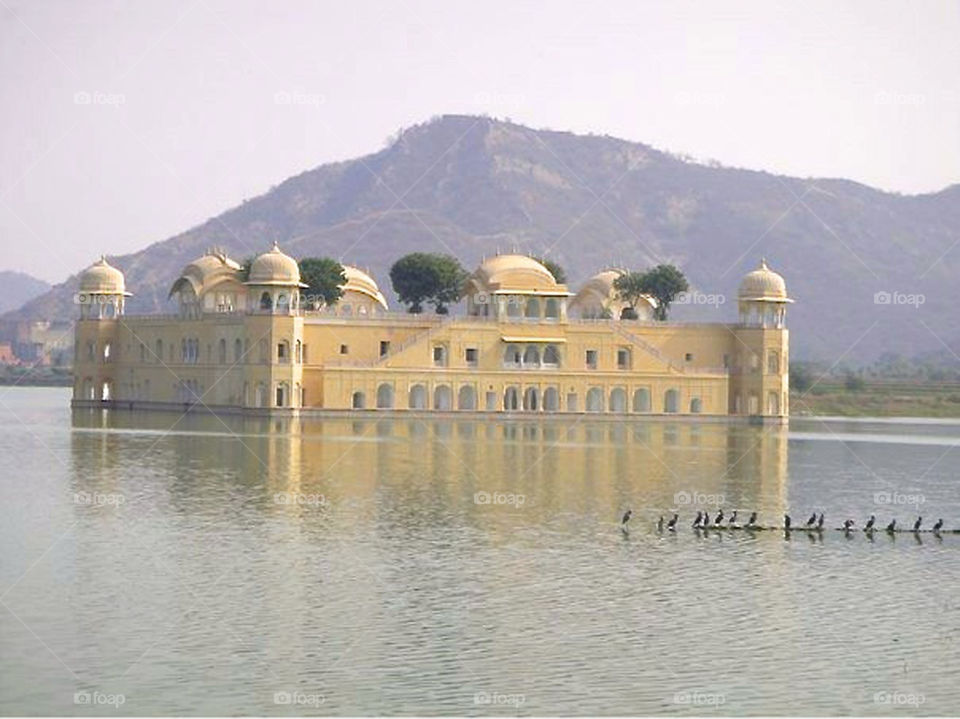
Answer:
x=526 y=345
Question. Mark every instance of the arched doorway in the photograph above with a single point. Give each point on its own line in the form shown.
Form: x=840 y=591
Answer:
x=618 y=400
x=595 y=400
x=696 y=405
x=641 y=400
x=385 y=396
x=551 y=399
x=467 y=397
x=359 y=400
x=671 y=401
x=531 y=399
x=418 y=397
x=511 y=399
x=443 y=398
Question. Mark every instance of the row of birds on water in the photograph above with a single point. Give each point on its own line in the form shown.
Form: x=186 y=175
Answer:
x=815 y=522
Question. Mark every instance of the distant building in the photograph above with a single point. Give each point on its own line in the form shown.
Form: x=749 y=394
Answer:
x=526 y=345
x=7 y=356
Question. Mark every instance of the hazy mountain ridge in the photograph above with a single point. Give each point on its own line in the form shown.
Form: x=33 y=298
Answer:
x=17 y=288
x=471 y=185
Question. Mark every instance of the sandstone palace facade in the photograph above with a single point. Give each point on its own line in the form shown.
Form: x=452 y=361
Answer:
x=526 y=345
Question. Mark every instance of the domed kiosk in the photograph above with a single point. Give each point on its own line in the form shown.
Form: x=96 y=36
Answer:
x=598 y=299
x=361 y=294
x=515 y=287
x=211 y=283
x=762 y=298
x=274 y=282
x=102 y=291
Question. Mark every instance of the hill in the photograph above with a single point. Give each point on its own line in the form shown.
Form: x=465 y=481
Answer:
x=470 y=185
x=17 y=288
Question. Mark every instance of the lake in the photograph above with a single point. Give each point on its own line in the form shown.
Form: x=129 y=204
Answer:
x=166 y=564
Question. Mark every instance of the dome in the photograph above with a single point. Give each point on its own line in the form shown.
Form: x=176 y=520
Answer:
x=206 y=271
x=515 y=273
x=598 y=296
x=362 y=283
x=274 y=268
x=101 y=278
x=763 y=285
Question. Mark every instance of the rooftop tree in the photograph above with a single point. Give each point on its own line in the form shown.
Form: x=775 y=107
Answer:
x=427 y=277
x=324 y=278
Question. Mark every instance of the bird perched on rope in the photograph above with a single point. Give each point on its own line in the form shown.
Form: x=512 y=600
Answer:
x=786 y=522
x=672 y=524
x=938 y=526
x=626 y=517
x=916 y=525
x=820 y=521
x=869 y=525
x=892 y=527
x=696 y=522
x=812 y=520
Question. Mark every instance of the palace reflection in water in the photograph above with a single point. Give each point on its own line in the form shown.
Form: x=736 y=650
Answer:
x=571 y=465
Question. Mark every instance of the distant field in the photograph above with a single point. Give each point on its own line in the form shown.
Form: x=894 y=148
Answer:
x=881 y=398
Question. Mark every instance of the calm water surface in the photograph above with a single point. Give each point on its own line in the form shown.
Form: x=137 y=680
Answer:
x=196 y=565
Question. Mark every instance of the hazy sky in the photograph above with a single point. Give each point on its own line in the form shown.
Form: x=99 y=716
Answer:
x=126 y=122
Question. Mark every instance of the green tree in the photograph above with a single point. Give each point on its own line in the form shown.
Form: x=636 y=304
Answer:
x=450 y=278
x=853 y=383
x=324 y=278
x=664 y=283
x=801 y=377
x=559 y=274
x=245 y=268
x=425 y=277
x=630 y=288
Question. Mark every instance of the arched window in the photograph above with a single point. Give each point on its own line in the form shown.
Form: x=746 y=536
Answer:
x=418 y=397
x=641 y=400
x=385 y=396
x=552 y=309
x=551 y=400
x=531 y=356
x=222 y=353
x=183 y=350
x=359 y=401
x=443 y=398
x=283 y=302
x=773 y=403
x=532 y=309
x=671 y=401
x=159 y=350
x=753 y=404
x=266 y=303
x=696 y=406
x=298 y=357
x=237 y=350
x=260 y=395
x=618 y=400
x=595 y=400
x=467 y=397
x=281 y=398
x=551 y=356
x=511 y=399
x=773 y=362
x=531 y=399
x=511 y=355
